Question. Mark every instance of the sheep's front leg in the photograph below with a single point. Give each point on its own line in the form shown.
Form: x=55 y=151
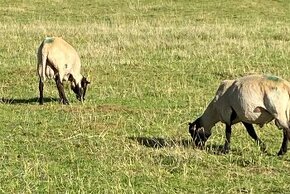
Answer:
x=286 y=135
x=60 y=88
x=40 y=87
x=228 y=139
x=251 y=131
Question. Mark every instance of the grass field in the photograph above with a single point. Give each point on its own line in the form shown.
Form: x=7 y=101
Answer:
x=153 y=66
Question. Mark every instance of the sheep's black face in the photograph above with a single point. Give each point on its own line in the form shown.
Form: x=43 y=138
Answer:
x=197 y=133
x=80 y=91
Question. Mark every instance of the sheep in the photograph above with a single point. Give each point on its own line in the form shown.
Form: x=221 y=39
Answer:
x=252 y=99
x=57 y=59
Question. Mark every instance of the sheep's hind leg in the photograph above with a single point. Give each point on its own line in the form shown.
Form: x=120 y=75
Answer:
x=40 y=87
x=228 y=139
x=251 y=131
x=232 y=117
x=60 y=88
x=286 y=135
x=282 y=123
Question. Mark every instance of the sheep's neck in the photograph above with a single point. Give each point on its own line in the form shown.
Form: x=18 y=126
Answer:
x=210 y=117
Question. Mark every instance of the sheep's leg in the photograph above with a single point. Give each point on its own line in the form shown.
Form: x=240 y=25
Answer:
x=251 y=131
x=282 y=122
x=60 y=88
x=228 y=138
x=40 y=87
x=286 y=135
x=233 y=116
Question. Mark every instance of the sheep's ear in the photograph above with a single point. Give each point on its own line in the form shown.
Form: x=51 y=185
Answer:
x=73 y=84
x=70 y=78
x=88 y=78
x=85 y=80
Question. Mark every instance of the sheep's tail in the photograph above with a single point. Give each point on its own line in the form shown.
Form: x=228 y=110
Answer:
x=44 y=59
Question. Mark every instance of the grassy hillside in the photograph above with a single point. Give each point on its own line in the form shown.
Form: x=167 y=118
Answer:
x=153 y=67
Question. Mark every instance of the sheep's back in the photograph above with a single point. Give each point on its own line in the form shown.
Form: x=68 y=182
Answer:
x=259 y=99
x=63 y=57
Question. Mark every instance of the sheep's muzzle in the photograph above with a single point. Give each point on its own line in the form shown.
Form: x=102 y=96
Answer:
x=198 y=134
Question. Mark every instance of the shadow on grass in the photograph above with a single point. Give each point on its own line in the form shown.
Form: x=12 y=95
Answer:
x=215 y=149
x=219 y=150
x=25 y=101
x=156 y=142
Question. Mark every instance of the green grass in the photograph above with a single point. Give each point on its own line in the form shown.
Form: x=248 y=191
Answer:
x=153 y=66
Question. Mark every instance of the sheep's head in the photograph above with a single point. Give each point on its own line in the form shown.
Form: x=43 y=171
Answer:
x=198 y=134
x=80 y=89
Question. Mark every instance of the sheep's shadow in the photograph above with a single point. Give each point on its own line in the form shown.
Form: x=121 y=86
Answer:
x=25 y=101
x=216 y=149
x=157 y=142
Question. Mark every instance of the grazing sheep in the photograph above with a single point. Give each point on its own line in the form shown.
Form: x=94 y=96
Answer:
x=253 y=99
x=59 y=60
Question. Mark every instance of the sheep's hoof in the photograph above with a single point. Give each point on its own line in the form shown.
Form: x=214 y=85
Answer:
x=281 y=152
x=225 y=151
x=40 y=101
x=66 y=102
x=263 y=147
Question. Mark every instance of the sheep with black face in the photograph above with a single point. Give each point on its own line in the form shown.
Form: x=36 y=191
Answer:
x=253 y=99
x=59 y=60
